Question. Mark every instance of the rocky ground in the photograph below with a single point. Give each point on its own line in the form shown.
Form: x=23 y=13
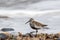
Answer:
x=41 y=36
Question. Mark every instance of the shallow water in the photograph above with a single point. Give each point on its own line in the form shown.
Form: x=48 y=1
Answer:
x=18 y=23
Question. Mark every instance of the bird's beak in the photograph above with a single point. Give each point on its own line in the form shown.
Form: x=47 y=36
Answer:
x=26 y=22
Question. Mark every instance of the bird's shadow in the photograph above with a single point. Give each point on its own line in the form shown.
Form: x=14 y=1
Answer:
x=45 y=28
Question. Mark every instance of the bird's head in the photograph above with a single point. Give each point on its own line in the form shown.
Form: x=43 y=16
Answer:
x=29 y=20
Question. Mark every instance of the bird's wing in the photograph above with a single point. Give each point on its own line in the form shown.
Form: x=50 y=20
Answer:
x=38 y=24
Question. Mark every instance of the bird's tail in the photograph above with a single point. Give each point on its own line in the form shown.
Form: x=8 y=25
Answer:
x=45 y=27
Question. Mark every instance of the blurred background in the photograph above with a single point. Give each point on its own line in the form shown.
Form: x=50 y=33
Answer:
x=38 y=5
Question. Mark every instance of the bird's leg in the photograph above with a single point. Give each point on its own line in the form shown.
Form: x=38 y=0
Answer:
x=36 y=32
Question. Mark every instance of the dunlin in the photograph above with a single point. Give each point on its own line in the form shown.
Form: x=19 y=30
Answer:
x=35 y=25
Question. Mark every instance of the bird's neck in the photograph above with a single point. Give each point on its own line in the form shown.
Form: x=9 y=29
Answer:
x=32 y=21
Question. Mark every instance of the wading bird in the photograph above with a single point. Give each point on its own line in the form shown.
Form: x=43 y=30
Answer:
x=35 y=25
